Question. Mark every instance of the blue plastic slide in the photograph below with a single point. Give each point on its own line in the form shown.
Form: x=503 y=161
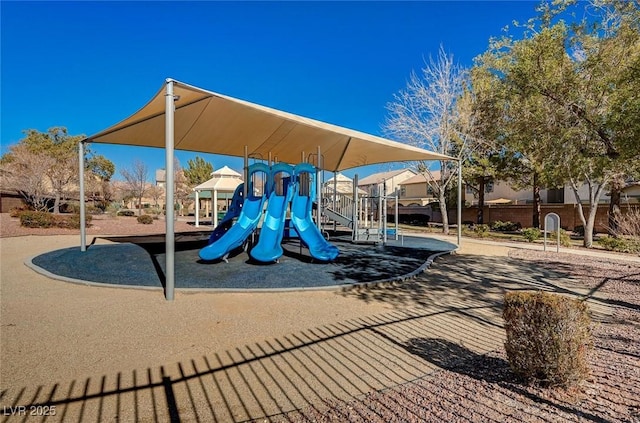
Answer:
x=301 y=218
x=234 y=211
x=246 y=223
x=268 y=248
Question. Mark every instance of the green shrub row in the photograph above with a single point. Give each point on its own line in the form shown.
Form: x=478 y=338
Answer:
x=548 y=337
x=620 y=244
x=36 y=219
x=128 y=213
x=500 y=226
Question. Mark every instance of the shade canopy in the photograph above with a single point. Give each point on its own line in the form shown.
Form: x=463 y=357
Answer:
x=209 y=122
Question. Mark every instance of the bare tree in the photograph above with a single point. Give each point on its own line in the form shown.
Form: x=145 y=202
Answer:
x=63 y=175
x=156 y=193
x=425 y=115
x=182 y=189
x=25 y=172
x=136 y=181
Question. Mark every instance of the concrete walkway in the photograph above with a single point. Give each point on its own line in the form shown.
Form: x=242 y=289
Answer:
x=477 y=242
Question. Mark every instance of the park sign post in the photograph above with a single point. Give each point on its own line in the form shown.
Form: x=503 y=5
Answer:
x=551 y=224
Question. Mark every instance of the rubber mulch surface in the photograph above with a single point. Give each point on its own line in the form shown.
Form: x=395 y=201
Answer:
x=140 y=261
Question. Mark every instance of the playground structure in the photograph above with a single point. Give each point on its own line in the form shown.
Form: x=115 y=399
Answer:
x=365 y=215
x=185 y=117
x=277 y=187
x=280 y=189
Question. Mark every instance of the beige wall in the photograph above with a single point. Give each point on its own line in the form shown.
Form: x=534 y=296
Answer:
x=392 y=184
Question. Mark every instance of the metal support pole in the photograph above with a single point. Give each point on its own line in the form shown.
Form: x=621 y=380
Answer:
x=379 y=227
x=83 y=217
x=246 y=171
x=356 y=209
x=459 y=201
x=170 y=207
x=335 y=199
x=319 y=191
x=197 y=208
x=397 y=218
x=214 y=208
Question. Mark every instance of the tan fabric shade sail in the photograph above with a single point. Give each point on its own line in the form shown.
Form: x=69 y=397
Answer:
x=214 y=123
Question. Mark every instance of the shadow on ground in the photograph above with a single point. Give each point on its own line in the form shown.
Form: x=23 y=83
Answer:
x=445 y=324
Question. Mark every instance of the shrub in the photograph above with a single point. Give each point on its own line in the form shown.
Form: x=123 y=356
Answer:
x=71 y=221
x=629 y=223
x=565 y=239
x=507 y=226
x=414 y=219
x=548 y=337
x=37 y=219
x=623 y=245
x=128 y=213
x=482 y=231
x=145 y=219
x=531 y=234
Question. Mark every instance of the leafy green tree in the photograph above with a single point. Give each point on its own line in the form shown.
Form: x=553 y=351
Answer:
x=515 y=122
x=482 y=162
x=99 y=171
x=564 y=93
x=198 y=171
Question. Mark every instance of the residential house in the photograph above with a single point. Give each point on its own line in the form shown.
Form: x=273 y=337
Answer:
x=343 y=184
x=385 y=183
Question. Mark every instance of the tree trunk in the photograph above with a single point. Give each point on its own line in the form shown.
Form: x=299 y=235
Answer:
x=588 y=227
x=139 y=206
x=443 y=212
x=56 y=204
x=617 y=183
x=480 y=219
x=536 y=201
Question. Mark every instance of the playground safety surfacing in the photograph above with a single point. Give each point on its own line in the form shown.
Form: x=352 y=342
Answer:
x=139 y=261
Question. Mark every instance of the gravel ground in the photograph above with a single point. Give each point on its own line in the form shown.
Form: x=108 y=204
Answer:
x=482 y=387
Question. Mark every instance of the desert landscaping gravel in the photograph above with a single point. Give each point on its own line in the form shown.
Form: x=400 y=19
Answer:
x=482 y=388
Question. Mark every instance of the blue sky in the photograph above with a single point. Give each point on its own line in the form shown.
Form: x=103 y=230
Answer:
x=88 y=65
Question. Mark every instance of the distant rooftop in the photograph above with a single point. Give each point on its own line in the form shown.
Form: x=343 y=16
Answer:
x=377 y=178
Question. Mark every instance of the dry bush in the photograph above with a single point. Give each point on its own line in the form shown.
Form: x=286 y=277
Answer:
x=37 y=219
x=629 y=223
x=626 y=233
x=145 y=219
x=548 y=337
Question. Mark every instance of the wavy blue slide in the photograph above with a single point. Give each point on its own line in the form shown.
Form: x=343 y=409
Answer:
x=301 y=207
x=247 y=221
x=268 y=248
x=234 y=211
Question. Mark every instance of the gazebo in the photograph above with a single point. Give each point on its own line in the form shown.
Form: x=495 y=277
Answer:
x=223 y=181
x=185 y=117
